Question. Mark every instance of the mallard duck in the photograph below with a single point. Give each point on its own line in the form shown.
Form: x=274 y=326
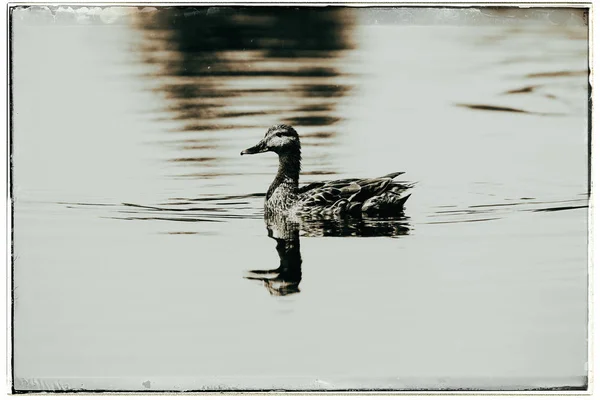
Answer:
x=377 y=196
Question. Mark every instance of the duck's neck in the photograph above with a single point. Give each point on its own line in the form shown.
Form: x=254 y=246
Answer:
x=289 y=167
x=288 y=172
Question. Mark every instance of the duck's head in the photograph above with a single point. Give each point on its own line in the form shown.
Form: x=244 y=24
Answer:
x=281 y=139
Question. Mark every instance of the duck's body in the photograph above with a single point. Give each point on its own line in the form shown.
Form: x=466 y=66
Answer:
x=379 y=196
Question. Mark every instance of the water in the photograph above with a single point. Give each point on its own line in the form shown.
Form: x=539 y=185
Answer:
x=142 y=260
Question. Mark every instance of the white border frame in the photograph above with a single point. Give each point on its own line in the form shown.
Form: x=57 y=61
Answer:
x=592 y=221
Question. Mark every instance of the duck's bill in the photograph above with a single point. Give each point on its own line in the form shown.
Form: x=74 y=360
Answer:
x=259 y=148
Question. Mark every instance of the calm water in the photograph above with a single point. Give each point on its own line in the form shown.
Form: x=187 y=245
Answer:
x=142 y=260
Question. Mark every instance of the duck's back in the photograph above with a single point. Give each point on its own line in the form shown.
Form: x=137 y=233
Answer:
x=377 y=196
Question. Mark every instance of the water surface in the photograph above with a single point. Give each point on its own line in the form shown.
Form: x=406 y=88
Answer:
x=142 y=260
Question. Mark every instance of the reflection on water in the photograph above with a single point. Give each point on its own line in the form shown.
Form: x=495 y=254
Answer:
x=285 y=279
x=222 y=69
x=221 y=209
x=398 y=225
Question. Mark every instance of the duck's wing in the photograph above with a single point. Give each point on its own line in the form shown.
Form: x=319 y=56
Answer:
x=347 y=194
x=389 y=201
x=374 y=187
x=344 y=183
x=324 y=194
x=309 y=187
x=340 y=183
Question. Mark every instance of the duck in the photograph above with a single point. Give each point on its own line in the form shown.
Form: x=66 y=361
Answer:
x=382 y=196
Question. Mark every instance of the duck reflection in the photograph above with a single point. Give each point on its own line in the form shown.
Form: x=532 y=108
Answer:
x=285 y=279
x=398 y=225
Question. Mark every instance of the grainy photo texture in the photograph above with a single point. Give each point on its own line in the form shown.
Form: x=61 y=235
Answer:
x=299 y=198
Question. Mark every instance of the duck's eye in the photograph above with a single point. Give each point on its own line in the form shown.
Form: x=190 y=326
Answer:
x=278 y=134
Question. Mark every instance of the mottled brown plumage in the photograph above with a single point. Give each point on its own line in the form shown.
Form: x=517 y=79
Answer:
x=377 y=196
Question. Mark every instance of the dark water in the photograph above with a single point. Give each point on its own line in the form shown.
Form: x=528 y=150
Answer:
x=142 y=260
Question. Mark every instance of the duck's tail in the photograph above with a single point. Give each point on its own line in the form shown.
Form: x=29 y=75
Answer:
x=400 y=202
x=392 y=175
